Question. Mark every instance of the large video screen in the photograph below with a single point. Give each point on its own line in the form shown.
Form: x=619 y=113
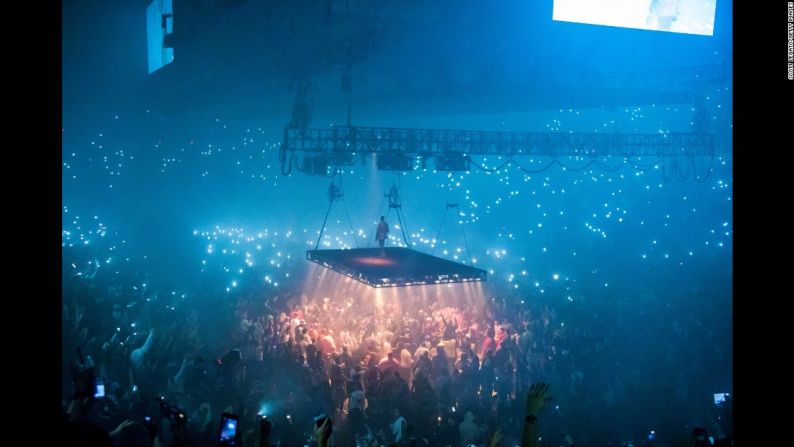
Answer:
x=675 y=16
x=159 y=22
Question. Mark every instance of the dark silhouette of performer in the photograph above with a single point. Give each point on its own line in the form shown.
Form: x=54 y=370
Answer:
x=381 y=235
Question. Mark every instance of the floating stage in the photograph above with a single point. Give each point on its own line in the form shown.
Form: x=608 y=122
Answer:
x=400 y=267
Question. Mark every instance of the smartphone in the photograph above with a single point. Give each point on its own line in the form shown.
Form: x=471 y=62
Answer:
x=320 y=420
x=228 y=432
x=99 y=388
x=719 y=398
x=652 y=435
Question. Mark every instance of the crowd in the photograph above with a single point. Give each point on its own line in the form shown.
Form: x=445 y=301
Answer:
x=449 y=373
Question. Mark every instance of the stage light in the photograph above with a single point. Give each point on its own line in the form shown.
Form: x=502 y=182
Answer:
x=453 y=163
x=341 y=159
x=315 y=165
x=394 y=162
x=322 y=163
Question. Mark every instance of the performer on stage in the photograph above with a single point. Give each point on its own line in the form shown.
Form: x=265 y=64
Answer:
x=381 y=235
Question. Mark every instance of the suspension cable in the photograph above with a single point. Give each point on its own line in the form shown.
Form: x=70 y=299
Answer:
x=580 y=168
x=708 y=171
x=402 y=228
x=287 y=161
x=330 y=202
x=350 y=222
x=616 y=168
x=438 y=234
x=466 y=241
x=535 y=171
x=668 y=172
x=347 y=213
x=685 y=170
x=483 y=168
x=650 y=166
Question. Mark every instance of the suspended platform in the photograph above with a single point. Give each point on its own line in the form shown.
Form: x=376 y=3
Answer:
x=399 y=268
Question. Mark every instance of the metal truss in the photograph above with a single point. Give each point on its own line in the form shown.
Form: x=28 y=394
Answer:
x=344 y=140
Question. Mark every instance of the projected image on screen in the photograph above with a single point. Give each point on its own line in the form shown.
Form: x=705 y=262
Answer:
x=675 y=16
x=159 y=22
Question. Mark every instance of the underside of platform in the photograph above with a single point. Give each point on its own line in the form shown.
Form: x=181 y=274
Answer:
x=398 y=268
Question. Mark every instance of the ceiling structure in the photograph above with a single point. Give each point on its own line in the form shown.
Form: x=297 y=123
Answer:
x=248 y=58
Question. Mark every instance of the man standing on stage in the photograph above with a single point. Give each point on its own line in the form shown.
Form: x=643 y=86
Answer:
x=381 y=235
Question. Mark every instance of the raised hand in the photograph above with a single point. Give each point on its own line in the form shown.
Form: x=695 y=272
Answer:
x=323 y=432
x=495 y=438
x=116 y=431
x=538 y=398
